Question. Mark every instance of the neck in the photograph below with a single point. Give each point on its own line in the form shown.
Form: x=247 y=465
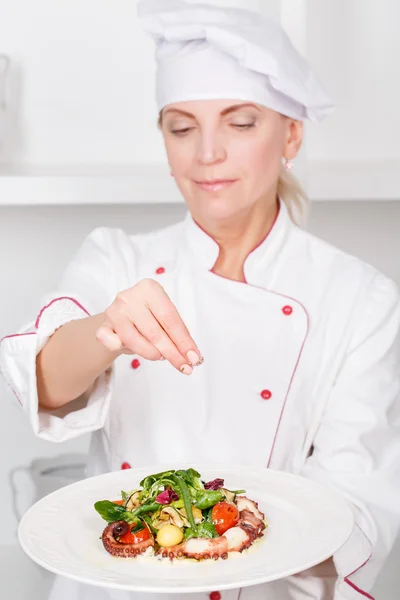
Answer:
x=240 y=235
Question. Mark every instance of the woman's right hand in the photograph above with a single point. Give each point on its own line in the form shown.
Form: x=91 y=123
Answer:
x=142 y=320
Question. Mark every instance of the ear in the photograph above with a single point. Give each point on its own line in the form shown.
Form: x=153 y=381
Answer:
x=294 y=138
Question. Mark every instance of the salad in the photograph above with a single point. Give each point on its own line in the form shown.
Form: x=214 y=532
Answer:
x=175 y=514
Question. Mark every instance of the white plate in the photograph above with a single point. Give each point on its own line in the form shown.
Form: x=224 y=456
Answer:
x=307 y=524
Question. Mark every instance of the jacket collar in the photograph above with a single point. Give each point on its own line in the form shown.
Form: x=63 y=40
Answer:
x=204 y=249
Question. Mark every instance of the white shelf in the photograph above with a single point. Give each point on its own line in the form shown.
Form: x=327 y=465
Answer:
x=65 y=186
x=152 y=184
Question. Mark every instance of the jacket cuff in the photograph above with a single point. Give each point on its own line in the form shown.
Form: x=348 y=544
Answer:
x=351 y=562
x=18 y=366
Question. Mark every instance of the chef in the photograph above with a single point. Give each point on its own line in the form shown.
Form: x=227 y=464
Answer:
x=233 y=336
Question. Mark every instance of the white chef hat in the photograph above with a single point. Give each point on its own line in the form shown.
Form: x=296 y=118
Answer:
x=208 y=52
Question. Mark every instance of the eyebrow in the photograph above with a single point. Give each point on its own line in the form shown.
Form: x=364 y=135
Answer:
x=225 y=112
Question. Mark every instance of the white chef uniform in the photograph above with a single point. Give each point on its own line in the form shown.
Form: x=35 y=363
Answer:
x=301 y=373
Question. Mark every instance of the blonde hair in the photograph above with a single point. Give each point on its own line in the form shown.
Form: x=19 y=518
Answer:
x=289 y=190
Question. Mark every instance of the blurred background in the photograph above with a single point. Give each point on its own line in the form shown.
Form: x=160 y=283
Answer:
x=79 y=148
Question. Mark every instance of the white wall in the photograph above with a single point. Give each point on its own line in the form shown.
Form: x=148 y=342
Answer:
x=355 y=47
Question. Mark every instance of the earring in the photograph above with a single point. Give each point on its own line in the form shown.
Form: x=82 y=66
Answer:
x=288 y=165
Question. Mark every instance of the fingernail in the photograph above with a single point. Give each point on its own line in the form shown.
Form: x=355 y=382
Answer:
x=194 y=358
x=186 y=370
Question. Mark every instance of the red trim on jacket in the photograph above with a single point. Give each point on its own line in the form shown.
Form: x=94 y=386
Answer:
x=56 y=300
x=353 y=585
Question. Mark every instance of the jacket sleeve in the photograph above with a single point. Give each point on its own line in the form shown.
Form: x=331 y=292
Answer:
x=88 y=287
x=357 y=446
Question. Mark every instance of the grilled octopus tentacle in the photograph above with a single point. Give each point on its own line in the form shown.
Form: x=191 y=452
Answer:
x=114 y=547
x=198 y=548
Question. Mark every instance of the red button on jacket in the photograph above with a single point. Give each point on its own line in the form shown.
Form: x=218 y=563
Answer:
x=266 y=394
x=135 y=364
x=125 y=465
x=215 y=596
x=287 y=310
x=160 y=270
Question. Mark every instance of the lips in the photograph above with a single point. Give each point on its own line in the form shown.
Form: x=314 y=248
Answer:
x=215 y=185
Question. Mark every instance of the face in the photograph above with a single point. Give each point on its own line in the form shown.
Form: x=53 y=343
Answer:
x=226 y=155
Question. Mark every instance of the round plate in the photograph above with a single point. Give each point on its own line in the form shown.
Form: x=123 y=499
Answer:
x=307 y=524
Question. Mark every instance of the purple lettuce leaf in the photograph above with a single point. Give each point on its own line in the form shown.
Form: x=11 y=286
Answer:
x=216 y=484
x=167 y=496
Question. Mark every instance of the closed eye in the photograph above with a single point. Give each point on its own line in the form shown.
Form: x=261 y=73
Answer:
x=181 y=131
x=243 y=126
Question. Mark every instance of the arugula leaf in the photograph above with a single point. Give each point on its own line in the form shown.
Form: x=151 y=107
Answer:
x=191 y=477
x=125 y=496
x=148 y=481
x=207 y=514
x=111 y=512
x=207 y=498
x=203 y=530
x=207 y=529
x=189 y=533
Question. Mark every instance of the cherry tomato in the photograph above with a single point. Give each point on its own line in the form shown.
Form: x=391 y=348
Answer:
x=224 y=515
x=119 y=502
x=135 y=538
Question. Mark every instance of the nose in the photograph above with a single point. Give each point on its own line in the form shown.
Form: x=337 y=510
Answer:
x=210 y=149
